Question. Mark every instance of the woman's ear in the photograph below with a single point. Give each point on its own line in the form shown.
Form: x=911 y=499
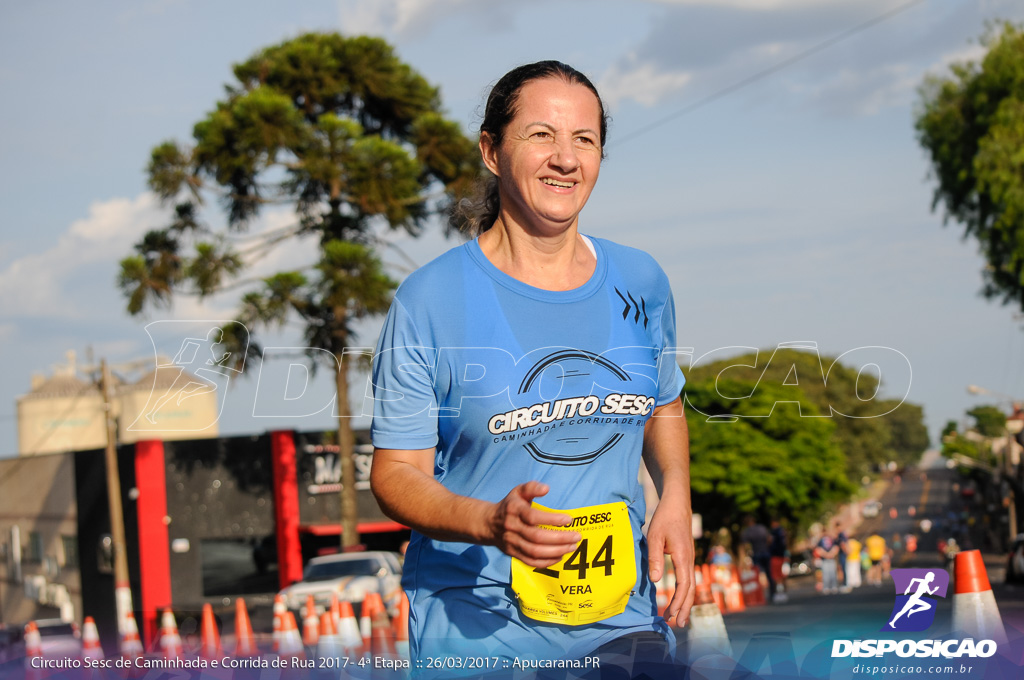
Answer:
x=489 y=152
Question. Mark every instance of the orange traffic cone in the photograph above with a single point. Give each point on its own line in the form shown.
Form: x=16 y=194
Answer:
x=402 y=627
x=718 y=583
x=734 y=593
x=91 y=648
x=382 y=637
x=245 y=641
x=366 y=624
x=335 y=611
x=170 y=640
x=310 y=624
x=209 y=635
x=291 y=643
x=974 y=606
x=348 y=629
x=33 y=650
x=750 y=584
x=131 y=643
x=329 y=643
x=279 y=611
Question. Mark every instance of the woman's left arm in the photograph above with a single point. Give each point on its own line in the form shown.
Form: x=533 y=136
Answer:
x=667 y=455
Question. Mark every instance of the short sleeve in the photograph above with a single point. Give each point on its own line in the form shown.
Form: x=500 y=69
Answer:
x=404 y=402
x=670 y=376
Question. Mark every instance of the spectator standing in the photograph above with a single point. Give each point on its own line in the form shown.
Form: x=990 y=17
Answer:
x=757 y=537
x=829 y=551
x=853 y=576
x=779 y=551
x=876 y=552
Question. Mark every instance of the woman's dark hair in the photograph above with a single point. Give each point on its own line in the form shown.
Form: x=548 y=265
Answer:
x=476 y=215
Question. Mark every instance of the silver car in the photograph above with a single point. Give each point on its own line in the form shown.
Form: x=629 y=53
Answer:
x=350 y=576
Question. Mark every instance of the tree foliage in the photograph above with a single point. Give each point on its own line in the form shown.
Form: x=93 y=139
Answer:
x=784 y=466
x=804 y=434
x=864 y=426
x=989 y=421
x=971 y=123
x=355 y=142
x=908 y=435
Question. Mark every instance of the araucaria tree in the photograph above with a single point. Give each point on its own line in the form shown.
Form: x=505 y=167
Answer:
x=350 y=137
x=972 y=126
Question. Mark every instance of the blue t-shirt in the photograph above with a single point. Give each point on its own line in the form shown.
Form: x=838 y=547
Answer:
x=511 y=383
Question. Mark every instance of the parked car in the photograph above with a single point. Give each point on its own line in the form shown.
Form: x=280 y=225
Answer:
x=1015 y=561
x=350 y=576
x=800 y=564
x=871 y=509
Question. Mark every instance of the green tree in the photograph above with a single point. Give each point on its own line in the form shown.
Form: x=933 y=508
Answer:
x=356 y=143
x=971 y=123
x=989 y=421
x=861 y=433
x=787 y=465
x=908 y=433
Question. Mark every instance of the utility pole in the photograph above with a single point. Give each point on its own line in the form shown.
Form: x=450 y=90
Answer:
x=122 y=586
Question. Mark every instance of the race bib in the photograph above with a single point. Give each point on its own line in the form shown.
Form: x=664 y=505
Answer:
x=591 y=583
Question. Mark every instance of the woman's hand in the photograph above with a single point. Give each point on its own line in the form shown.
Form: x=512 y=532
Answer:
x=515 y=526
x=671 y=533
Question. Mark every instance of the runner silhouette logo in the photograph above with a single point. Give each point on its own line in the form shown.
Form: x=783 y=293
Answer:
x=915 y=604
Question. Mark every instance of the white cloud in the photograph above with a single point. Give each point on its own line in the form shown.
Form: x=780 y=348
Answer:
x=756 y=5
x=973 y=53
x=864 y=92
x=393 y=17
x=641 y=82
x=35 y=285
x=74 y=278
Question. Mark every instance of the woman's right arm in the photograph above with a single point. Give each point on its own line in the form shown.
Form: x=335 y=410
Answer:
x=403 y=482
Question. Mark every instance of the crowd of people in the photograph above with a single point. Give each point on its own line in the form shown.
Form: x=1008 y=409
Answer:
x=839 y=559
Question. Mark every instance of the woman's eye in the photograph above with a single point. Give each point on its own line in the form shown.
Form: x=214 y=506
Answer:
x=543 y=134
x=584 y=140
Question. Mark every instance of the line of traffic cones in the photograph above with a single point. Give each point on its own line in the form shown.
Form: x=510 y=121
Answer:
x=337 y=633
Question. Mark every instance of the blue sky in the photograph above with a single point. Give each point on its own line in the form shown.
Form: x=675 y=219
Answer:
x=796 y=208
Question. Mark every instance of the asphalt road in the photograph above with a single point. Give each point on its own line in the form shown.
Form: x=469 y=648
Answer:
x=799 y=634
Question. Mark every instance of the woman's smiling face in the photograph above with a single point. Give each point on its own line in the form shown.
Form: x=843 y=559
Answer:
x=550 y=155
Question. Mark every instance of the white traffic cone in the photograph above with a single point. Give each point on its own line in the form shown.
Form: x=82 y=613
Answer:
x=707 y=627
x=131 y=643
x=91 y=648
x=974 y=606
x=170 y=639
x=348 y=629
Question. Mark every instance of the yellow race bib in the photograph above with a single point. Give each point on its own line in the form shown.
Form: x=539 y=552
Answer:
x=591 y=583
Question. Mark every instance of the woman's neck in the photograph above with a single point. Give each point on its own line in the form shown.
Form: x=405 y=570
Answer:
x=560 y=261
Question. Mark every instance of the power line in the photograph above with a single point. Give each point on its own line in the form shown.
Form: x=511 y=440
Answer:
x=760 y=75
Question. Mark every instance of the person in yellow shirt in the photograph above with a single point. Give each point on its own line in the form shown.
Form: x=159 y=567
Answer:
x=853 y=547
x=876 y=552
